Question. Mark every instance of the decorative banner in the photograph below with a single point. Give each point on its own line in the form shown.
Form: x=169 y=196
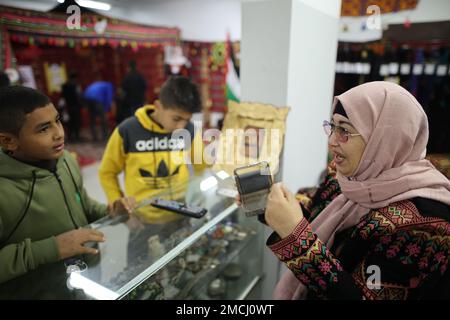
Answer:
x=55 y=75
x=34 y=28
x=52 y=25
x=358 y=8
x=218 y=56
x=210 y=78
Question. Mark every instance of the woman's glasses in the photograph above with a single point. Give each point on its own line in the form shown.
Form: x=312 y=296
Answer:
x=341 y=133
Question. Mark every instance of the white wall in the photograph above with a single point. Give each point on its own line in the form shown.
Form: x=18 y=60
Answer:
x=285 y=64
x=265 y=79
x=199 y=20
x=295 y=68
x=311 y=72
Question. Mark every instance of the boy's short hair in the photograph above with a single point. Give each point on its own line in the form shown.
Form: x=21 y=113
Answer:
x=179 y=92
x=15 y=103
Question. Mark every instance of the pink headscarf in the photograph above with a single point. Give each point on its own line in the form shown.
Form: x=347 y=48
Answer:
x=392 y=168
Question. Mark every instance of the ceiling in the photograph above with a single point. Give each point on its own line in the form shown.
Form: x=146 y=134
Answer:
x=349 y=7
x=191 y=16
x=42 y=5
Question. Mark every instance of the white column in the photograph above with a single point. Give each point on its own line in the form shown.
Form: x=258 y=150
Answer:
x=288 y=55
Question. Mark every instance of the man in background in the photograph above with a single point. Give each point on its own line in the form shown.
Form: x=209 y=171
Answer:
x=71 y=92
x=133 y=93
x=99 y=98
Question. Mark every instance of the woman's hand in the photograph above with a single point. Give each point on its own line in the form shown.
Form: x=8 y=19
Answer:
x=283 y=212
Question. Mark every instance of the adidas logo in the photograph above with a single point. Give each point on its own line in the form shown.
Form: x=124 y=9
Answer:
x=158 y=144
x=161 y=172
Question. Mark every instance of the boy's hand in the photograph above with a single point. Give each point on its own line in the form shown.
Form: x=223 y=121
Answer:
x=134 y=224
x=71 y=243
x=122 y=206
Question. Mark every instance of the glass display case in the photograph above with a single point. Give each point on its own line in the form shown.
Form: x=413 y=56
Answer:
x=155 y=254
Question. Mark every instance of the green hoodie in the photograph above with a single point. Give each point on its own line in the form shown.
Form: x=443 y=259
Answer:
x=35 y=206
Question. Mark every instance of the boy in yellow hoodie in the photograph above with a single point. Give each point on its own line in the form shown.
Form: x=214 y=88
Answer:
x=144 y=148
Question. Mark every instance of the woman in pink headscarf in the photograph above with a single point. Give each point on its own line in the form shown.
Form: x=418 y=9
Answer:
x=382 y=230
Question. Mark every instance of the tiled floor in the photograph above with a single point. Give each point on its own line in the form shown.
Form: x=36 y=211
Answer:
x=87 y=152
x=89 y=155
x=91 y=182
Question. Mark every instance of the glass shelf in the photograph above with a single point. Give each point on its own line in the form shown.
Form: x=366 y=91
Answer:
x=152 y=243
x=138 y=247
x=202 y=263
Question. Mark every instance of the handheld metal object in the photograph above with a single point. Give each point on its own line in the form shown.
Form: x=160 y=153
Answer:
x=253 y=183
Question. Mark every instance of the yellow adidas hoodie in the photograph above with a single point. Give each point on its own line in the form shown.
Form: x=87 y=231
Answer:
x=148 y=156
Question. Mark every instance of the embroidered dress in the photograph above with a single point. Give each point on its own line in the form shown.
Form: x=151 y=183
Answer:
x=407 y=243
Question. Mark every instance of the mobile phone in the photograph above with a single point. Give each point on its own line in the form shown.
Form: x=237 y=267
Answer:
x=179 y=207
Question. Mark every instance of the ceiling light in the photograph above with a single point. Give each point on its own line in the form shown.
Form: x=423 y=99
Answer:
x=94 y=4
x=91 y=288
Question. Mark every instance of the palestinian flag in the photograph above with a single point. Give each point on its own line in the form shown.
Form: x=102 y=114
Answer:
x=233 y=82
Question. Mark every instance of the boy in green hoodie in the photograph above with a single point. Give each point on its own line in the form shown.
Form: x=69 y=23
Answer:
x=43 y=203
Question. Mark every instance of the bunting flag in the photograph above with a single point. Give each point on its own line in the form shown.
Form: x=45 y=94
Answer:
x=354 y=8
x=36 y=28
x=53 y=25
x=233 y=82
